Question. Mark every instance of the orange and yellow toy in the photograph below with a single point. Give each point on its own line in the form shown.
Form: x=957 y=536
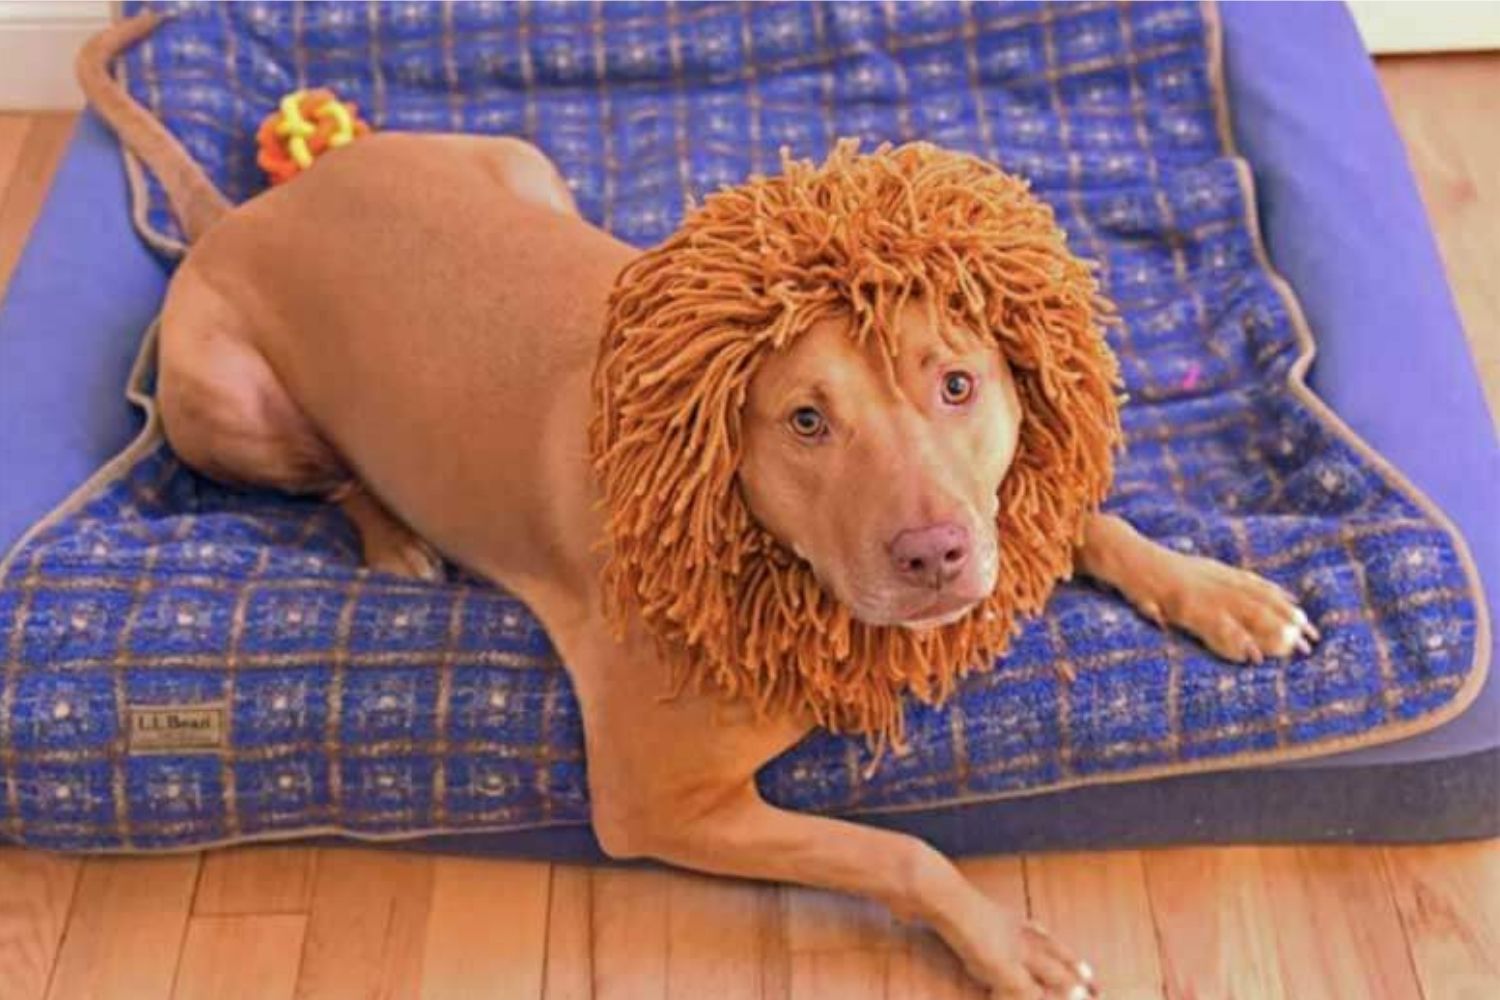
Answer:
x=304 y=126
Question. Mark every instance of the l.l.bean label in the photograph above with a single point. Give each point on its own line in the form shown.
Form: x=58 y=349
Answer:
x=155 y=728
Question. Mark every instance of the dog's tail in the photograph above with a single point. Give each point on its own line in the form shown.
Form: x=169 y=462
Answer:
x=194 y=199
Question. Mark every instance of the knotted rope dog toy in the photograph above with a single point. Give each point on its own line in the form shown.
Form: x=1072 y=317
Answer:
x=304 y=126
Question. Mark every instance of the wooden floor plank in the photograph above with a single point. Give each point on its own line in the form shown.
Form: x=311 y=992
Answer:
x=1215 y=922
x=719 y=945
x=486 y=931
x=831 y=921
x=260 y=880
x=1337 y=932
x=630 y=911
x=1097 y=905
x=570 y=956
x=1443 y=108
x=837 y=945
x=36 y=891
x=846 y=972
x=1448 y=897
x=240 y=957
x=125 y=929
x=367 y=925
x=776 y=952
x=13 y=129
x=46 y=139
x=921 y=967
x=1002 y=879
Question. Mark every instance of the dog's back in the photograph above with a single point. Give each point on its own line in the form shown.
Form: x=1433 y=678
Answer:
x=409 y=290
x=416 y=313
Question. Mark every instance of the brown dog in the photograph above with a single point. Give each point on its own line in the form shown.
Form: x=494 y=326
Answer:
x=421 y=315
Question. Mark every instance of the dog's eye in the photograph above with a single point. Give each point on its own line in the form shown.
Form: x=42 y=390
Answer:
x=808 y=422
x=958 y=388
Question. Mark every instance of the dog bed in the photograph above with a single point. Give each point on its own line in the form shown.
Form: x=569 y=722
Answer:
x=236 y=677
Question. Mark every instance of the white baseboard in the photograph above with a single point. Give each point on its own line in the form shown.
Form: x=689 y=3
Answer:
x=1391 y=27
x=37 y=43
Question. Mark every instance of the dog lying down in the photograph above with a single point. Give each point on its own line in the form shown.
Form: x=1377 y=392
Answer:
x=812 y=454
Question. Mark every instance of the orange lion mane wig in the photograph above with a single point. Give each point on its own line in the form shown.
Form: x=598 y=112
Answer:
x=749 y=272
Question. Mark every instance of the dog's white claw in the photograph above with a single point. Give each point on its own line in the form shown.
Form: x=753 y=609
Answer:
x=1086 y=972
x=1289 y=636
x=1300 y=616
x=1078 y=993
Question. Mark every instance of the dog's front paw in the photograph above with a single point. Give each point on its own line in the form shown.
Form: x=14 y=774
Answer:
x=1240 y=616
x=1021 y=961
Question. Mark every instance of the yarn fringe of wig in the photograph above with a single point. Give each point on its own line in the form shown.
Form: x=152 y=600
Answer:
x=754 y=268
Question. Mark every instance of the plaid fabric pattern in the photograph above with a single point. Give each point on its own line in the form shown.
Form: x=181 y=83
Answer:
x=361 y=703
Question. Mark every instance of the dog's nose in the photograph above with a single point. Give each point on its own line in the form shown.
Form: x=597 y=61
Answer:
x=933 y=555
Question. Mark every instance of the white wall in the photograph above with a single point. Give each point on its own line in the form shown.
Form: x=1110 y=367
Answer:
x=37 y=43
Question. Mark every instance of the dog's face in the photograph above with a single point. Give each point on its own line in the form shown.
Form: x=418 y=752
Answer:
x=736 y=423
x=883 y=473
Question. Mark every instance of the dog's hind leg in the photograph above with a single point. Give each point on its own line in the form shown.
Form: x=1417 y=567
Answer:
x=223 y=409
x=387 y=544
x=226 y=414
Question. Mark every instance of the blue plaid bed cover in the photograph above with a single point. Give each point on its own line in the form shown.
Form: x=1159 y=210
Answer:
x=185 y=664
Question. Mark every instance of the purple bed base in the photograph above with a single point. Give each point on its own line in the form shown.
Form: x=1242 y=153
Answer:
x=1343 y=223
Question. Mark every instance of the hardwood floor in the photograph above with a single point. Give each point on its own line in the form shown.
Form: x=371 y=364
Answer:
x=1259 y=923
x=1446 y=108
x=263 y=923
